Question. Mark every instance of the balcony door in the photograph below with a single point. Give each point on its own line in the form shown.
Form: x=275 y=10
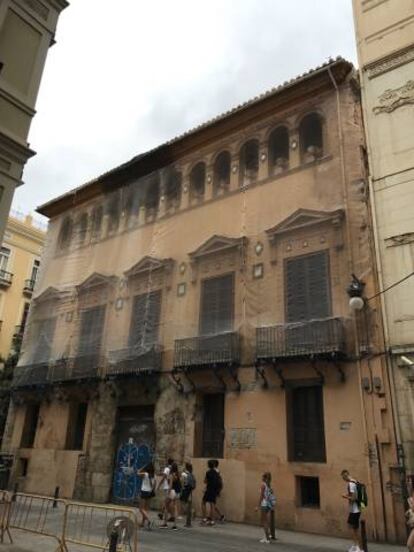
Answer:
x=217 y=305
x=213 y=426
x=145 y=320
x=90 y=339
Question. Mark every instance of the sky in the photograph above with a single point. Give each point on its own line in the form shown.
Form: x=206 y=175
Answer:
x=127 y=75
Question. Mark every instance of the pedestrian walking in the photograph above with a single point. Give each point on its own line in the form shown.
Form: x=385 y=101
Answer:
x=164 y=485
x=267 y=501
x=174 y=491
x=188 y=485
x=212 y=489
x=410 y=521
x=219 y=515
x=147 y=493
x=354 y=515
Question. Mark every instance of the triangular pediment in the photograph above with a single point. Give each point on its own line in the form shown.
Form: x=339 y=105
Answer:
x=94 y=280
x=149 y=264
x=49 y=294
x=303 y=218
x=217 y=244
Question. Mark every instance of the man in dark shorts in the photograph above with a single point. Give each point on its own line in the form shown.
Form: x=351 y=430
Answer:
x=354 y=510
x=212 y=482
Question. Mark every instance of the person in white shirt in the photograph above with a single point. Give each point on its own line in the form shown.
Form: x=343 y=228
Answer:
x=146 y=493
x=164 y=483
x=354 y=510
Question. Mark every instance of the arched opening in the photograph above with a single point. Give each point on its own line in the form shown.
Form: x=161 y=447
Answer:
x=113 y=210
x=222 y=167
x=173 y=191
x=96 y=224
x=278 y=150
x=197 y=182
x=311 y=137
x=66 y=232
x=152 y=197
x=83 y=227
x=249 y=162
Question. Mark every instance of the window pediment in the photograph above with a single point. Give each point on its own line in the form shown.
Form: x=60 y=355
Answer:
x=217 y=244
x=229 y=250
x=304 y=218
x=51 y=294
x=149 y=264
x=95 y=280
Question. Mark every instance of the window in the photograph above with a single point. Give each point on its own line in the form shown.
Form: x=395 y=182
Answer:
x=145 y=320
x=24 y=317
x=173 y=190
x=152 y=197
x=65 y=235
x=307 y=287
x=306 y=432
x=278 y=150
x=76 y=426
x=222 y=167
x=311 y=137
x=4 y=259
x=83 y=227
x=35 y=271
x=30 y=425
x=217 y=304
x=91 y=329
x=23 y=467
x=97 y=216
x=44 y=332
x=213 y=426
x=113 y=211
x=197 y=181
x=249 y=162
x=307 y=491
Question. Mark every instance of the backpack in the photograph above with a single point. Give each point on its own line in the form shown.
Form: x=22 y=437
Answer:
x=219 y=482
x=191 y=482
x=362 y=495
x=269 y=497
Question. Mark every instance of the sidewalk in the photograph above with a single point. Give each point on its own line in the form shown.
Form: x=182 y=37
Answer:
x=228 y=537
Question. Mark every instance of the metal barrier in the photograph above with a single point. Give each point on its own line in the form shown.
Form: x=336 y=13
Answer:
x=68 y=522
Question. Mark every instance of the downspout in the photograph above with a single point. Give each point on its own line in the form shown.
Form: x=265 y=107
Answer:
x=351 y=270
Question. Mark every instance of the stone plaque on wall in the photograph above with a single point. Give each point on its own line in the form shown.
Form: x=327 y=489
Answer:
x=242 y=438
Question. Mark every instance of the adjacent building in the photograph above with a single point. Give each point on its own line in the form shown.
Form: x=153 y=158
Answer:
x=19 y=269
x=193 y=303
x=27 y=30
x=385 y=40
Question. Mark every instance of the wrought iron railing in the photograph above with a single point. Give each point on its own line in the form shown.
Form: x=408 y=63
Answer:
x=31 y=375
x=134 y=361
x=81 y=367
x=29 y=285
x=323 y=337
x=208 y=350
x=5 y=278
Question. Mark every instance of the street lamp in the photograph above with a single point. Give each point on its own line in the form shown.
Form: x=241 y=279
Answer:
x=355 y=291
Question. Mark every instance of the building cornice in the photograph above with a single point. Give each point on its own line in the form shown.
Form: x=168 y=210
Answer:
x=390 y=62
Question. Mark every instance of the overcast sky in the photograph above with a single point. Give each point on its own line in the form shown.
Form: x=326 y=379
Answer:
x=126 y=75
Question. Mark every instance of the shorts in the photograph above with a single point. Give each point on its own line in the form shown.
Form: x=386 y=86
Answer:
x=210 y=496
x=147 y=494
x=353 y=520
x=172 y=495
x=185 y=494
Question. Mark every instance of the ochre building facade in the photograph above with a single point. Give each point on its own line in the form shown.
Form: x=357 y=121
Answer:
x=194 y=304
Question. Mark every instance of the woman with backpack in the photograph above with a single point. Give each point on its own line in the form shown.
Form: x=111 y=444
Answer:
x=147 y=492
x=267 y=503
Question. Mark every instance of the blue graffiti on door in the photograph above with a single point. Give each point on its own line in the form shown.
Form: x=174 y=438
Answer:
x=129 y=460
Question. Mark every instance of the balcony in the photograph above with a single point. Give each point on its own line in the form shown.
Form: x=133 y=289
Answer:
x=134 y=361
x=213 y=350
x=79 y=368
x=32 y=375
x=28 y=286
x=323 y=338
x=5 y=278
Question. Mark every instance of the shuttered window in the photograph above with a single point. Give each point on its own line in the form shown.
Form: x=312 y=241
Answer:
x=145 y=320
x=306 y=424
x=307 y=287
x=213 y=426
x=217 y=304
x=44 y=331
x=91 y=328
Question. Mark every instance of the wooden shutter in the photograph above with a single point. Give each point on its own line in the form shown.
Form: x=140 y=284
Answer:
x=91 y=329
x=213 y=426
x=145 y=319
x=307 y=287
x=217 y=304
x=307 y=424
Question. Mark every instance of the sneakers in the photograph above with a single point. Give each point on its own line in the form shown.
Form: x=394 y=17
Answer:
x=163 y=526
x=264 y=540
x=355 y=548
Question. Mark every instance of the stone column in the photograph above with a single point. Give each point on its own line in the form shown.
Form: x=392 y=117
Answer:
x=163 y=200
x=263 y=171
x=235 y=172
x=208 y=194
x=294 y=149
x=185 y=190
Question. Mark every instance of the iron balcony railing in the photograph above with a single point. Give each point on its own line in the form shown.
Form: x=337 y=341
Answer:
x=208 y=350
x=134 y=361
x=32 y=375
x=29 y=286
x=323 y=337
x=5 y=278
x=78 y=368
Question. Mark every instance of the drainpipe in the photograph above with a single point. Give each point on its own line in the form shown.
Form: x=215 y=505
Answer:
x=351 y=270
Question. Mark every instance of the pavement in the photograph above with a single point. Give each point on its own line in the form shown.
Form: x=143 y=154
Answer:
x=227 y=537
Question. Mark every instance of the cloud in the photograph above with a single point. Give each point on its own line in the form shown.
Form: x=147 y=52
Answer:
x=121 y=81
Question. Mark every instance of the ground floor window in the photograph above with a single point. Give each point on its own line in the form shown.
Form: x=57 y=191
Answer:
x=307 y=490
x=76 y=426
x=30 y=425
x=213 y=426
